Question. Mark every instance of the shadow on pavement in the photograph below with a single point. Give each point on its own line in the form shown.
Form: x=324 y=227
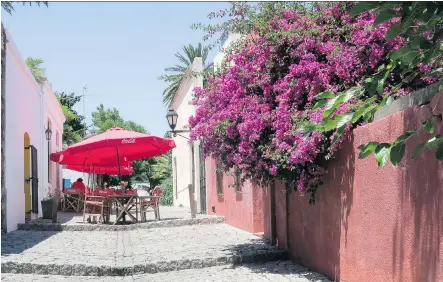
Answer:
x=15 y=242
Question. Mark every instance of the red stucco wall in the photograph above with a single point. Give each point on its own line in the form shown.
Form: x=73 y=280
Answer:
x=241 y=209
x=371 y=224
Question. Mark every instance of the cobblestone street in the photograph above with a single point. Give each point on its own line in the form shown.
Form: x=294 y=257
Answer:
x=203 y=252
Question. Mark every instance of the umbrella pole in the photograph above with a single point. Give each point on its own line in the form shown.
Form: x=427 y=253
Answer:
x=118 y=164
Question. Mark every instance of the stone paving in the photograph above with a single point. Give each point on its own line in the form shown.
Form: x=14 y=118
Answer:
x=162 y=252
x=129 y=252
x=272 y=271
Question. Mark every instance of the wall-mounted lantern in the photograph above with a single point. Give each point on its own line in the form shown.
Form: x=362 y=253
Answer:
x=172 y=118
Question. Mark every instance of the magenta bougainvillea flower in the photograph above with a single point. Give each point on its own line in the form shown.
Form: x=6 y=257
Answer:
x=248 y=116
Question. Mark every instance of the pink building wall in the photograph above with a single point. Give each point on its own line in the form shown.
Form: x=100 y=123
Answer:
x=370 y=223
x=243 y=209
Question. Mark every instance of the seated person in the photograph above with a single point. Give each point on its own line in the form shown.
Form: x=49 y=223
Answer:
x=79 y=185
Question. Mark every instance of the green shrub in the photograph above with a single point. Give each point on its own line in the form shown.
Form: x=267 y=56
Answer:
x=167 y=196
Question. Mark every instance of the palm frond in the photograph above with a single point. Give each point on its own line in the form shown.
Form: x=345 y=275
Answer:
x=177 y=68
x=9 y=8
x=182 y=59
x=178 y=72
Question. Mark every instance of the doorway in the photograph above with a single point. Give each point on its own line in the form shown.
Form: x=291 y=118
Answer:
x=27 y=175
x=202 y=180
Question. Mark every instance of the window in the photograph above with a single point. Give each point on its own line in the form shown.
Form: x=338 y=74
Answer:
x=237 y=176
x=219 y=178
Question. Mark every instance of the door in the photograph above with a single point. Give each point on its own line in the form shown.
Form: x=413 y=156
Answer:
x=27 y=172
x=202 y=180
x=34 y=179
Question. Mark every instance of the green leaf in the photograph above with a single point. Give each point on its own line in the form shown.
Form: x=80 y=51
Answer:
x=307 y=128
x=362 y=7
x=332 y=105
x=338 y=100
x=416 y=42
x=330 y=124
x=319 y=104
x=397 y=153
x=362 y=111
x=438 y=71
x=439 y=152
x=324 y=95
x=428 y=126
x=394 y=31
x=380 y=86
x=434 y=141
x=384 y=16
x=366 y=149
x=344 y=119
x=389 y=100
x=406 y=135
x=417 y=150
x=382 y=152
x=400 y=53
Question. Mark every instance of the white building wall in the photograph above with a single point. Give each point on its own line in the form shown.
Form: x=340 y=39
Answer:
x=182 y=172
x=74 y=175
x=221 y=56
x=29 y=105
x=52 y=111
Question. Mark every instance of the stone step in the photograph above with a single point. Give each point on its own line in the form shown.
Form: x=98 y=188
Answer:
x=268 y=271
x=121 y=253
x=43 y=226
x=137 y=269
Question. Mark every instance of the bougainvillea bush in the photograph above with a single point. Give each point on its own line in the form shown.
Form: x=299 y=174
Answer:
x=250 y=116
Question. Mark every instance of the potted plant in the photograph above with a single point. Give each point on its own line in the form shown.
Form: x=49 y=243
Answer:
x=48 y=205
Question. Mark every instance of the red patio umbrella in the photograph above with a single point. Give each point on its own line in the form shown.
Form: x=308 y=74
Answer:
x=114 y=147
x=124 y=170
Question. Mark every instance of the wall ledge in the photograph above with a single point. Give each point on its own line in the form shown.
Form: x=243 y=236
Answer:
x=416 y=98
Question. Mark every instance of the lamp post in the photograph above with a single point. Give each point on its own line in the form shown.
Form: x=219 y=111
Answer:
x=48 y=133
x=172 y=118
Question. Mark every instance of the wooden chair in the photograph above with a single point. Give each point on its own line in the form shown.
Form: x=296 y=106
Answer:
x=93 y=203
x=147 y=202
x=107 y=204
x=72 y=198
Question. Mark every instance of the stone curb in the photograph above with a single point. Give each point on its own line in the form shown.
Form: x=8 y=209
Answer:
x=100 y=227
x=161 y=266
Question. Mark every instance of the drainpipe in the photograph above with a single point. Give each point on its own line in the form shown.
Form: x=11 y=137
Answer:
x=3 y=124
x=41 y=187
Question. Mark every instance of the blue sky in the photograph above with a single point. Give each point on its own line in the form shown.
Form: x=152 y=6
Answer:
x=118 y=49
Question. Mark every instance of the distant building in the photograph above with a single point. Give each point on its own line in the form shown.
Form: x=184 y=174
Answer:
x=29 y=110
x=186 y=158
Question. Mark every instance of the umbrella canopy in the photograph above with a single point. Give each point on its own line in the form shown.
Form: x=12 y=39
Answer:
x=126 y=170
x=113 y=148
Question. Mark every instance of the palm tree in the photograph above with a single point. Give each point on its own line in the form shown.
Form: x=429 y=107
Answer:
x=37 y=71
x=177 y=72
x=9 y=7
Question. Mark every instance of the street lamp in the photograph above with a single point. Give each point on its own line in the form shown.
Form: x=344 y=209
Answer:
x=172 y=118
x=48 y=132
